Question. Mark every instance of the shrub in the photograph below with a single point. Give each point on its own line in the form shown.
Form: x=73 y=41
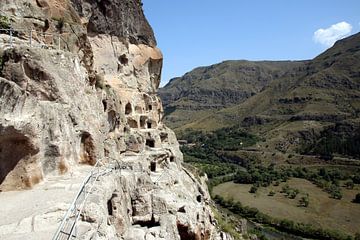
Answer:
x=349 y=184
x=4 y=22
x=357 y=198
x=304 y=201
x=253 y=189
x=271 y=193
x=60 y=24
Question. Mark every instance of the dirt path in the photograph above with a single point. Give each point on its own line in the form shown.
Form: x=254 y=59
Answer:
x=36 y=213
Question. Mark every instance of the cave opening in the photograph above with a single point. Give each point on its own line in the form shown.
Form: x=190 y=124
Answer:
x=14 y=147
x=143 y=121
x=132 y=123
x=153 y=166
x=128 y=109
x=149 y=125
x=104 y=105
x=87 y=149
x=150 y=143
x=185 y=233
x=110 y=205
x=148 y=224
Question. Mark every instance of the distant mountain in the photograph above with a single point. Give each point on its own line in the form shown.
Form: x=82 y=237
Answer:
x=206 y=89
x=285 y=102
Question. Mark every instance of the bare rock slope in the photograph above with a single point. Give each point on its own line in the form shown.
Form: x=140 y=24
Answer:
x=88 y=95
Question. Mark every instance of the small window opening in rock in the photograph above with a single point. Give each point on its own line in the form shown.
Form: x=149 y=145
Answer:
x=110 y=207
x=150 y=143
x=104 y=105
x=153 y=166
x=172 y=158
x=150 y=107
x=148 y=224
x=143 y=121
x=123 y=59
x=128 y=109
x=132 y=123
x=182 y=209
x=198 y=198
x=149 y=125
x=163 y=136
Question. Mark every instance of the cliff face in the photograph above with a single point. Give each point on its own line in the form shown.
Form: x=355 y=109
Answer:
x=89 y=95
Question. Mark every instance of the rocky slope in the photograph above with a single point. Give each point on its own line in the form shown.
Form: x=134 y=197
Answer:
x=293 y=107
x=87 y=96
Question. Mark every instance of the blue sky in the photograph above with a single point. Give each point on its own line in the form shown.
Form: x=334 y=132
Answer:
x=194 y=33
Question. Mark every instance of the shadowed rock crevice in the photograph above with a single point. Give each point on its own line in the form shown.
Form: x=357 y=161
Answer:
x=185 y=233
x=87 y=149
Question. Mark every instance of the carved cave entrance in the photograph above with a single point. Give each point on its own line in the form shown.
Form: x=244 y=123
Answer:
x=14 y=148
x=87 y=149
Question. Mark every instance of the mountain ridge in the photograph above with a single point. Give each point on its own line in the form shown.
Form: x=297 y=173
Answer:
x=309 y=95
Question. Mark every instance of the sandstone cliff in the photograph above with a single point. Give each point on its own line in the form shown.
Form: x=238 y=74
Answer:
x=78 y=83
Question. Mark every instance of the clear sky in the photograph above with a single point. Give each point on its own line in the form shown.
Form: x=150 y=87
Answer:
x=194 y=33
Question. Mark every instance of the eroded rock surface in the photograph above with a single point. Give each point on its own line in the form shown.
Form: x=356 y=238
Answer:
x=93 y=98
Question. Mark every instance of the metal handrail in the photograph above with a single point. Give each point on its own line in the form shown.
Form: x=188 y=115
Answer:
x=29 y=32
x=76 y=208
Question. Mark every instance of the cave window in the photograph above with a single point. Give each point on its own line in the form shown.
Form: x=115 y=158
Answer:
x=153 y=166
x=172 y=159
x=150 y=107
x=150 y=143
x=198 y=198
x=143 y=121
x=163 y=137
x=149 y=125
x=123 y=59
x=128 y=109
x=104 y=105
x=132 y=123
x=110 y=207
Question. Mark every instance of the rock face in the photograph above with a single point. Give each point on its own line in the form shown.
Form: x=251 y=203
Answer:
x=87 y=96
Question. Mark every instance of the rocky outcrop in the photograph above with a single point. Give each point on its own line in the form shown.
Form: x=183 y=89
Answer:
x=88 y=96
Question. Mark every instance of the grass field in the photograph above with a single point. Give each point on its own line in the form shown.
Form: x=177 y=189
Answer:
x=324 y=212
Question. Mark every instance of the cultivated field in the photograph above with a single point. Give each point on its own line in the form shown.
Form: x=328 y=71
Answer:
x=324 y=212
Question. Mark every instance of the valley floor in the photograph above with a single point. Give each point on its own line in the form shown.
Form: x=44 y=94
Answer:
x=322 y=211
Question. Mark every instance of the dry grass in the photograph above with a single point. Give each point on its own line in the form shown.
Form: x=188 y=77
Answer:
x=322 y=212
